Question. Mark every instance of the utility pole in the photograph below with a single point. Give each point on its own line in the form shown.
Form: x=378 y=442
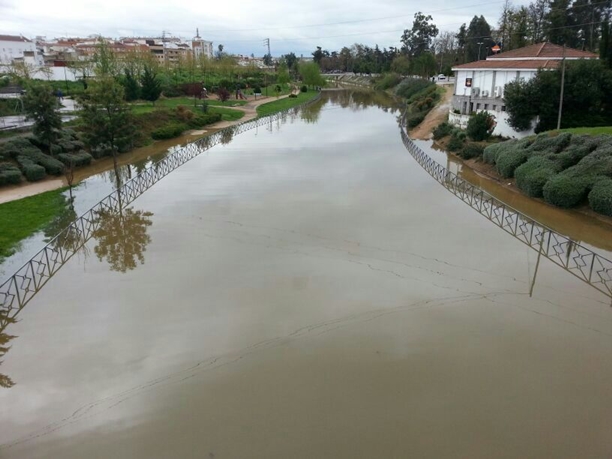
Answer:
x=480 y=43
x=267 y=43
x=562 y=88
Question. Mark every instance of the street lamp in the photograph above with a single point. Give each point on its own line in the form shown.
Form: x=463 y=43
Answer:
x=480 y=43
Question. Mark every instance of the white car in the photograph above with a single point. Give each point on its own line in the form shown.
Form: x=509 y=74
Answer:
x=441 y=77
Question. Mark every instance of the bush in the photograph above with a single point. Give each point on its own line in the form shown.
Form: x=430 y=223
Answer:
x=533 y=175
x=411 y=86
x=456 y=141
x=471 y=150
x=204 y=119
x=9 y=174
x=415 y=119
x=480 y=126
x=390 y=80
x=491 y=153
x=442 y=130
x=33 y=172
x=257 y=89
x=600 y=197
x=509 y=160
x=78 y=159
x=565 y=191
x=304 y=88
x=551 y=144
x=169 y=131
x=183 y=113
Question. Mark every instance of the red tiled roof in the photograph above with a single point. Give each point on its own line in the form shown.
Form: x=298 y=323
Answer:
x=526 y=64
x=13 y=38
x=543 y=50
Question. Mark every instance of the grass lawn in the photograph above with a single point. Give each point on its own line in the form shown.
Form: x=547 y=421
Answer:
x=227 y=114
x=283 y=104
x=590 y=130
x=20 y=219
x=146 y=107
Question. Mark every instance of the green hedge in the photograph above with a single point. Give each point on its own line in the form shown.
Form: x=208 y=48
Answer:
x=456 y=141
x=600 y=197
x=411 y=86
x=203 y=119
x=9 y=174
x=565 y=191
x=169 y=131
x=415 y=119
x=33 y=172
x=533 y=175
x=78 y=159
x=442 y=130
x=471 y=150
x=508 y=161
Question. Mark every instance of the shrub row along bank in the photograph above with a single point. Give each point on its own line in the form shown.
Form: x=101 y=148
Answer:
x=27 y=157
x=420 y=96
x=566 y=170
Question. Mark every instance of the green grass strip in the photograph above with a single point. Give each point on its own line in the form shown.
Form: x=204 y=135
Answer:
x=22 y=218
x=284 y=104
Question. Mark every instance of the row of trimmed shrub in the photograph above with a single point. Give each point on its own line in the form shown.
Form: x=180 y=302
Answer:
x=421 y=96
x=34 y=164
x=566 y=170
x=9 y=174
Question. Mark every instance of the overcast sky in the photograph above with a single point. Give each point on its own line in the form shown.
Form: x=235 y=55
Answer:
x=241 y=25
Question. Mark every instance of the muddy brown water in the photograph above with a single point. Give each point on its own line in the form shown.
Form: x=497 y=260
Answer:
x=308 y=291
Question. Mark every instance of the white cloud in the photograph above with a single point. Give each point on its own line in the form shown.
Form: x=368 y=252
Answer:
x=241 y=25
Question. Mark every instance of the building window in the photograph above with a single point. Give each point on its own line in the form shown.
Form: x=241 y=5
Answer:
x=477 y=106
x=503 y=108
x=486 y=106
x=495 y=107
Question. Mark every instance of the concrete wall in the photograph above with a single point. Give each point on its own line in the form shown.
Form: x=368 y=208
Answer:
x=502 y=128
x=55 y=74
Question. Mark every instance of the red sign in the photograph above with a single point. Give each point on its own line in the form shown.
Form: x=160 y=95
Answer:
x=496 y=49
x=468 y=82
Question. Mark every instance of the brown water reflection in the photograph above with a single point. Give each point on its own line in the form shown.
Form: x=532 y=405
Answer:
x=311 y=292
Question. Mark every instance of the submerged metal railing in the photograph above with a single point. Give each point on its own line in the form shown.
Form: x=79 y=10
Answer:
x=21 y=287
x=578 y=260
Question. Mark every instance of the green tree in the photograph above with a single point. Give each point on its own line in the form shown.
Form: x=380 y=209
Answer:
x=41 y=106
x=106 y=118
x=559 y=24
x=282 y=74
x=425 y=65
x=478 y=39
x=310 y=73
x=480 y=126
x=267 y=59
x=518 y=99
x=401 y=65
x=151 y=87
x=605 y=44
x=317 y=55
x=130 y=85
x=105 y=61
x=419 y=39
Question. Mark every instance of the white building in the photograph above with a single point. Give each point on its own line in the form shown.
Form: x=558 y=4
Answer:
x=16 y=48
x=480 y=85
x=201 y=47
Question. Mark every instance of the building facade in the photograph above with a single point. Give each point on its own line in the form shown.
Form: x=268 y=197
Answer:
x=16 y=48
x=201 y=47
x=480 y=85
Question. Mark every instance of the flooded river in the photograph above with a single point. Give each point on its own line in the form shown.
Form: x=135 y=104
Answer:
x=305 y=290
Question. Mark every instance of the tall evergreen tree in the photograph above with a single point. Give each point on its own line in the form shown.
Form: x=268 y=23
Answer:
x=151 y=88
x=478 y=39
x=558 y=24
x=131 y=86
